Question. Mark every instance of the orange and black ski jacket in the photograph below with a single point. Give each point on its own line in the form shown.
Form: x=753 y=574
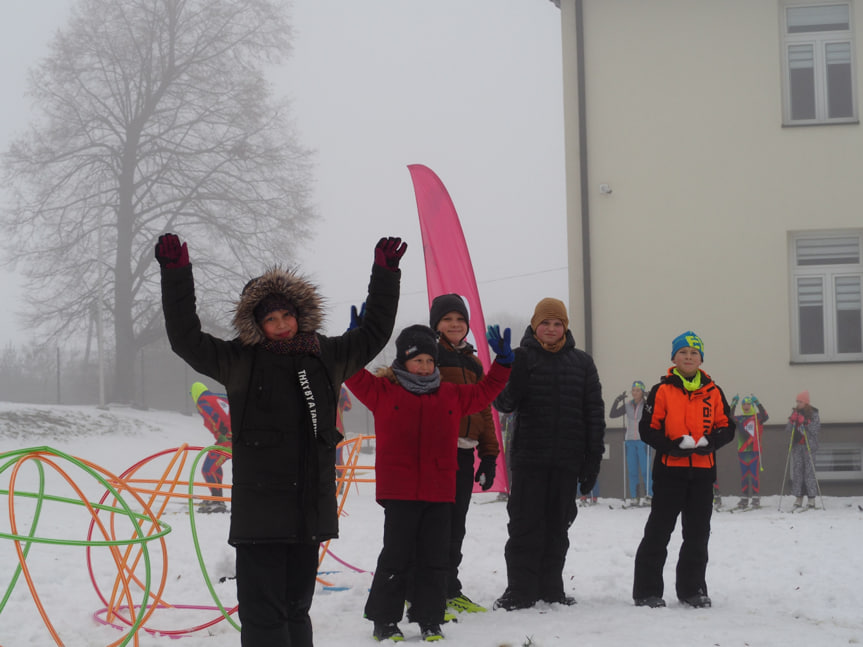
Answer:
x=671 y=412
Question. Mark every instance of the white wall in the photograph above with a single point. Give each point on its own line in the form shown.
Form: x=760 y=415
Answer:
x=684 y=117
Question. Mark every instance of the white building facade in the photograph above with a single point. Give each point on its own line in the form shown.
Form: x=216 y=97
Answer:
x=714 y=162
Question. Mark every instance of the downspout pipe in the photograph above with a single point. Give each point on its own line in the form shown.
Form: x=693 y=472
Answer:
x=582 y=169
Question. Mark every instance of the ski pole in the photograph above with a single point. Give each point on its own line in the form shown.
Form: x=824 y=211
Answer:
x=787 y=462
x=625 y=461
x=759 y=434
x=647 y=482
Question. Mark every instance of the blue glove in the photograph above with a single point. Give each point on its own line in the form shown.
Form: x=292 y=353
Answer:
x=500 y=345
x=357 y=317
x=735 y=400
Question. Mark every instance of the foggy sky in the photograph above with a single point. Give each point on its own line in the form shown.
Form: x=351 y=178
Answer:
x=470 y=89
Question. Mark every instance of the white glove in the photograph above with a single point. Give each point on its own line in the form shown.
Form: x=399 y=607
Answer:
x=702 y=442
x=687 y=442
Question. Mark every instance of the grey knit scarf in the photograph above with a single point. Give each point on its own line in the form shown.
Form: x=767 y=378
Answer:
x=417 y=384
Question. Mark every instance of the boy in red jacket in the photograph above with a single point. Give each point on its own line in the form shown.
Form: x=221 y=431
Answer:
x=416 y=428
x=686 y=419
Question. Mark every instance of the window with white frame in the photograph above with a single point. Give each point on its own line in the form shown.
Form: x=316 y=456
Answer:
x=839 y=461
x=818 y=55
x=826 y=289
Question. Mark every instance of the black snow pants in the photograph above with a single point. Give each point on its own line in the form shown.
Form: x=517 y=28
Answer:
x=275 y=585
x=458 y=524
x=542 y=506
x=415 y=549
x=687 y=492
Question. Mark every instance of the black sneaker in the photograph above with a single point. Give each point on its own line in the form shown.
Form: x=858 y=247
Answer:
x=387 y=631
x=430 y=633
x=697 y=601
x=652 y=601
x=510 y=602
x=565 y=600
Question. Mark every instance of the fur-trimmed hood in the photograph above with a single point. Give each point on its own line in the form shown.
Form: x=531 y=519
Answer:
x=277 y=280
x=388 y=373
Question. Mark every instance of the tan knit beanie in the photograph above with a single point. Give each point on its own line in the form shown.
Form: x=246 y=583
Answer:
x=549 y=308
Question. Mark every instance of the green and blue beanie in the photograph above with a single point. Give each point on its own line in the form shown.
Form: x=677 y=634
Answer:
x=638 y=384
x=687 y=340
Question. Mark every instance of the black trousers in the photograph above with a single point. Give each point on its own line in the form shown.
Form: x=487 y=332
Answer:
x=275 y=585
x=415 y=549
x=458 y=523
x=542 y=506
x=688 y=493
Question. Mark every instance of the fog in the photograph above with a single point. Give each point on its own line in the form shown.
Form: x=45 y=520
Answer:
x=470 y=89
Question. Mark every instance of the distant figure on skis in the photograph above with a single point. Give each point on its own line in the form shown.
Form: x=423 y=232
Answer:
x=637 y=451
x=750 y=427
x=804 y=423
x=216 y=412
x=686 y=419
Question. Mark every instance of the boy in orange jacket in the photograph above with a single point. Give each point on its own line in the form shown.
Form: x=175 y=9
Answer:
x=686 y=419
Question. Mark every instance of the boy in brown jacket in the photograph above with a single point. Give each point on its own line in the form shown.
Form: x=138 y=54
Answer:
x=458 y=364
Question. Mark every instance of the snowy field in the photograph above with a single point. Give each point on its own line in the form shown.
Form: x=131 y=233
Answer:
x=775 y=578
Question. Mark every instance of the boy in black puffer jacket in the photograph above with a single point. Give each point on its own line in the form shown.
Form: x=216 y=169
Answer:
x=558 y=442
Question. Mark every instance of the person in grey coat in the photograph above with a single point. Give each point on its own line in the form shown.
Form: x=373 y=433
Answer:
x=804 y=425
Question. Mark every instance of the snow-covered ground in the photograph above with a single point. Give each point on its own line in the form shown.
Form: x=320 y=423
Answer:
x=775 y=578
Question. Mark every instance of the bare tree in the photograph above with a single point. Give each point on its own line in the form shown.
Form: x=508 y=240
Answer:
x=153 y=116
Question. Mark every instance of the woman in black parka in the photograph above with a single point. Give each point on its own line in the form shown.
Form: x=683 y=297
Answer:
x=283 y=381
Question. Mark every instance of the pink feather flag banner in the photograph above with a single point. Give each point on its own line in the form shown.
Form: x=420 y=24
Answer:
x=449 y=270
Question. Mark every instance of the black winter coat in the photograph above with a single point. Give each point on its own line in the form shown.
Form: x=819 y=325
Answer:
x=283 y=407
x=557 y=401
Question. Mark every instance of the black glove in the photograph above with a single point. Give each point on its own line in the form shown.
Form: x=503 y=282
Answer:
x=170 y=253
x=357 y=317
x=674 y=448
x=705 y=448
x=622 y=396
x=587 y=480
x=389 y=251
x=485 y=472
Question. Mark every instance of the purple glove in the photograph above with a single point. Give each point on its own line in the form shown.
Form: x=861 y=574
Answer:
x=170 y=253
x=389 y=251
